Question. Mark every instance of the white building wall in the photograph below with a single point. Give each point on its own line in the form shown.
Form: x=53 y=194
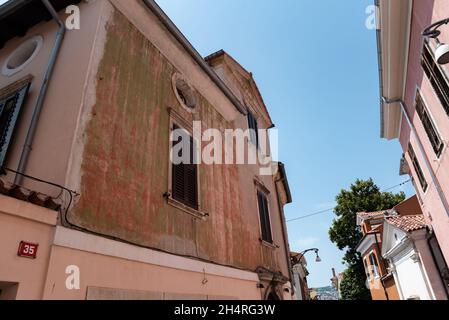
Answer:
x=411 y=278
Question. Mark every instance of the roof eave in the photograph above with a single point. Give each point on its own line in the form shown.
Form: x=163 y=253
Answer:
x=365 y=243
x=392 y=43
x=285 y=182
x=249 y=75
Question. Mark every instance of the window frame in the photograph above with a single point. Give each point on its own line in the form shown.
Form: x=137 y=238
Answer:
x=418 y=169
x=254 y=132
x=367 y=269
x=375 y=266
x=264 y=193
x=176 y=119
x=19 y=92
x=185 y=199
x=185 y=96
x=431 y=122
x=432 y=77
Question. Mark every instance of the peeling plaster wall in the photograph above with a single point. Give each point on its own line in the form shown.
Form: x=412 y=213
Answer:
x=125 y=164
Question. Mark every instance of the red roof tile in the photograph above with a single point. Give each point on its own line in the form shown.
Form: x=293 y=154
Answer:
x=408 y=223
x=24 y=194
x=371 y=214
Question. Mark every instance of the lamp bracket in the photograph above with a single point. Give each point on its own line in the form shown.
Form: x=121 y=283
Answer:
x=432 y=30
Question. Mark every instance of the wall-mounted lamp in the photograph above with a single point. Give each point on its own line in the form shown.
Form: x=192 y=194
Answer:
x=442 y=51
x=298 y=258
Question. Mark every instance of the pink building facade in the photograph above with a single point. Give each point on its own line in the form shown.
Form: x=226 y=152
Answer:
x=415 y=109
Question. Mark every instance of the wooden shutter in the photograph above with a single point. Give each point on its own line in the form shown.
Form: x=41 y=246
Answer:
x=264 y=217
x=436 y=76
x=429 y=127
x=10 y=107
x=191 y=179
x=185 y=178
x=417 y=166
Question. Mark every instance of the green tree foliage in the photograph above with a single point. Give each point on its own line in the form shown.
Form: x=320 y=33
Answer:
x=363 y=195
x=353 y=285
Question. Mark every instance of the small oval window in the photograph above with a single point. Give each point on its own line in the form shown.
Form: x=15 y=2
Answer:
x=184 y=93
x=22 y=56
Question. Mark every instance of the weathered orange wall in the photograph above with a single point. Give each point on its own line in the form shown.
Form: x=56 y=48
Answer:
x=125 y=164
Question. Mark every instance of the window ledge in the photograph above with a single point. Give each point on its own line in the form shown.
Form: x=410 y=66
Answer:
x=196 y=213
x=268 y=244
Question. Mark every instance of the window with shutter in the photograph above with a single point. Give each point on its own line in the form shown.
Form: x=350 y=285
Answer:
x=253 y=126
x=429 y=126
x=184 y=176
x=436 y=76
x=439 y=260
x=417 y=166
x=264 y=216
x=10 y=107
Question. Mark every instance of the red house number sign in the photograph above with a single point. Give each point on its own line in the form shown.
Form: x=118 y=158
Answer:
x=27 y=250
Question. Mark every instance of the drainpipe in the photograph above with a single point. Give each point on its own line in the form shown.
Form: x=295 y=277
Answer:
x=27 y=146
x=284 y=235
x=421 y=149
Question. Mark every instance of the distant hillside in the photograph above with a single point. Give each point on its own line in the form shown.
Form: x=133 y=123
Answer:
x=327 y=293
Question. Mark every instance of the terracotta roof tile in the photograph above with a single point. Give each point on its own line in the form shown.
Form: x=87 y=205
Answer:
x=24 y=194
x=408 y=223
x=371 y=214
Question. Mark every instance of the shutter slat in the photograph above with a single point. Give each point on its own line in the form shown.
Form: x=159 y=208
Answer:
x=436 y=77
x=185 y=179
x=264 y=215
x=9 y=114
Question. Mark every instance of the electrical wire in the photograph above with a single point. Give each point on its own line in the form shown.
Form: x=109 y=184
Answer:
x=311 y=214
x=71 y=193
x=331 y=209
x=401 y=184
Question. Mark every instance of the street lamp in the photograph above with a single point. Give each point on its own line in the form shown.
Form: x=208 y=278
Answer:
x=300 y=284
x=442 y=51
x=316 y=250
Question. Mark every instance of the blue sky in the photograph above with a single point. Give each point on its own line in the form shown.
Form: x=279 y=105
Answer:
x=315 y=63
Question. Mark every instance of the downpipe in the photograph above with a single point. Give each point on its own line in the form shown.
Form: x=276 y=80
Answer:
x=284 y=236
x=27 y=146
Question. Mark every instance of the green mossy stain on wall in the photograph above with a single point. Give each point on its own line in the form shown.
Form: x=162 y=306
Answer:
x=126 y=159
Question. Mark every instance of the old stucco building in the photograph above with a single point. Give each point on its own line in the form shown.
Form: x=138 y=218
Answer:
x=88 y=189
